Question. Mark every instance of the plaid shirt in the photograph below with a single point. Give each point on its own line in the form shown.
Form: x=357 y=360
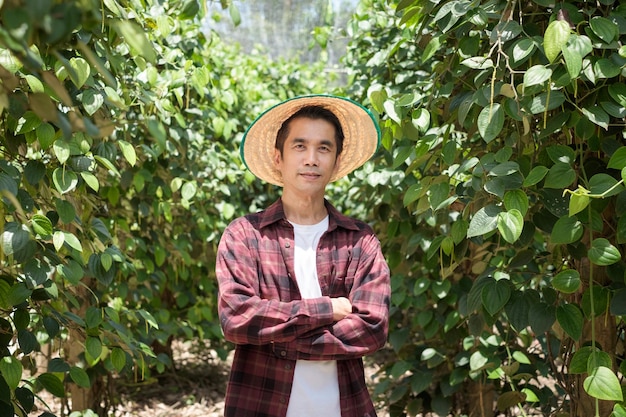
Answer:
x=261 y=310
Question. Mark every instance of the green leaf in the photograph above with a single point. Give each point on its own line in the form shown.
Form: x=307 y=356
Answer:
x=478 y=62
x=72 y=241
x=604 y=28
x=27 y=341
x=541 y=317
x=92 y=101
x=107 y=164
x=11 y=369
x=579 y=362
x=605 y=68
x=567 y=281
x=189 y=190
x=41 y=225
x=536 y=75
x=484 y=221
x=561 y=153
x=535 y=175
x=603 y=253
x=91 y=180
x=52 y=383
x=547 y=101
x=64 y=180
x=522 y=49
x=135 y=36
x=597 y=116
x=45 y=135
x=62 y=150
x=15 y=238
x=595 y=303
x=578 y=201
x=149 y=318
x=566 y=230
x=478 y=360
x=81 y=71
x=93 y=317
x=555 y=38
x=128 y=151
x=561 y=175
x=618 y=159
x=605 y=185
x=459 y=230
x=421 y=119
x=495 y=295
x=517 y=310
x=603 y=384
x=530 y=396
x=490 y=122
x=235 y=16
x=93 y=347
x=617 y=91
x=504 y=169
x=80 y=377
x=571 y=320
x=118 y=359
x=18 y=294
x=598 y=358
x=516 y=199
x=106 y=261
x=34 y=172
x=509 y=399
x=573 y=56
x=618 y=303
x=619 y=411
x=510 y=225
x=66 y=211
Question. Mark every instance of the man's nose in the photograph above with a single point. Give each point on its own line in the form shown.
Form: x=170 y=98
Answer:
x=311 y=157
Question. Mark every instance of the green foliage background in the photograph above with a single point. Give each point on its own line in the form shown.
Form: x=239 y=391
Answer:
x=498 y=195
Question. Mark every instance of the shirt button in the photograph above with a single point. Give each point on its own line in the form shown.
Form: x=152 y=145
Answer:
x=283 y=353
x=282 y=400
x=288 y=367
x=287 y=245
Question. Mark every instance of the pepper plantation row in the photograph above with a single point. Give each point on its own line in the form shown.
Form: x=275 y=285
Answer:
x=498 y=195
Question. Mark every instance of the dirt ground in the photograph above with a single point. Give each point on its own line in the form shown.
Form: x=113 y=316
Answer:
x=195 y=389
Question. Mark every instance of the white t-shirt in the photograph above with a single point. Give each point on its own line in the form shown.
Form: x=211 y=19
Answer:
x=315 y=390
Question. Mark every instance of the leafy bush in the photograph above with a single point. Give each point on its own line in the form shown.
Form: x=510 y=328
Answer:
x=119 y=133
x=502 y=205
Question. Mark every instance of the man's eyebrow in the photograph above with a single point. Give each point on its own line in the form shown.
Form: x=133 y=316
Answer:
x=326 y=142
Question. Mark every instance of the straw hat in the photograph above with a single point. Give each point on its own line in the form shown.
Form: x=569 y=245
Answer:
x=360 y=129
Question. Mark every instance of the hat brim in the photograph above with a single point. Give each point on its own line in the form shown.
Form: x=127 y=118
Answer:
x=360 y=129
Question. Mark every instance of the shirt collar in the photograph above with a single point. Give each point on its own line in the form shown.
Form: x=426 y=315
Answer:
x=276 y=213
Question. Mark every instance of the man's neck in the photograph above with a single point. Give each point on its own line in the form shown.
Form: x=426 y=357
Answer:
x=304 y=211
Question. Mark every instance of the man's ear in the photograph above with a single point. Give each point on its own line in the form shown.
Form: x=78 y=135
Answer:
x=337 y=163
x=277 y=158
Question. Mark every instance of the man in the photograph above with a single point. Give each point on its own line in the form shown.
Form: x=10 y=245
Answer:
x=304 y=290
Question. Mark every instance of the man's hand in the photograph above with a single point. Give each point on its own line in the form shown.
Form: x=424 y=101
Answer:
x=341 y=308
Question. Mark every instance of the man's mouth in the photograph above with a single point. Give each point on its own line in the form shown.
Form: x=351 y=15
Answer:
x=310 y=175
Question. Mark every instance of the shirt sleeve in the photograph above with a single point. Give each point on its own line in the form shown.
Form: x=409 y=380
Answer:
x=365 y=329
x=245 y=317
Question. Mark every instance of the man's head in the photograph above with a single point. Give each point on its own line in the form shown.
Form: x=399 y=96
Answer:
x=357 y=134
x=313 y=113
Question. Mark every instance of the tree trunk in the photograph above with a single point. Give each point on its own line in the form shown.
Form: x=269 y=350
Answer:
x=481 y=399
x=605 y=336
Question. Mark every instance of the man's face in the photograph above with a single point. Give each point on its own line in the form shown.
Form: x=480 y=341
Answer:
x=309 y=158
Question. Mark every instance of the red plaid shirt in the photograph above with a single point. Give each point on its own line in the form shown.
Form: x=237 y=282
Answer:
x=261 y=310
